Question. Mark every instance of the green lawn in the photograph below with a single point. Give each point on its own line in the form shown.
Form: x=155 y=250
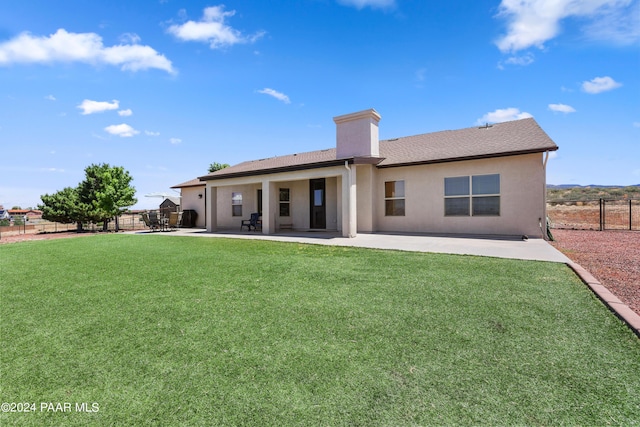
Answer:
x=160 y=330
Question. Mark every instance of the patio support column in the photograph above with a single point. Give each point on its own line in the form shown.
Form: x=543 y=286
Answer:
x=212 y=211
x=349 y=199
x=268 y=216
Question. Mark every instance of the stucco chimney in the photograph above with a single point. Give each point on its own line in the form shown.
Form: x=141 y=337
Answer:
x=357 y=134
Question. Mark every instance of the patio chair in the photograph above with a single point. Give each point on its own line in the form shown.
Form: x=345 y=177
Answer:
x=175 y=218
x=252 y=223
x=154 y=221
x=145 y=218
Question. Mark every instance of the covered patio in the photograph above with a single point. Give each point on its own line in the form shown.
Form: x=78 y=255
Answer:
x=320 y=199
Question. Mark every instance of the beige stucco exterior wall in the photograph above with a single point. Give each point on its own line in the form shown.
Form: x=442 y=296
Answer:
x=191 y=200
x=522 y=192
x=226 y=220
x=366 y=206
x=522 y=186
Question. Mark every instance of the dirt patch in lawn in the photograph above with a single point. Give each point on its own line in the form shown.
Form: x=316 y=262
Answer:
x=613 y=257
x=41 y=236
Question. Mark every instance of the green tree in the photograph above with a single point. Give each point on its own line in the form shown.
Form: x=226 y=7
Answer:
x=64 y=207
x=104 y=194
x=215 y=166
x=107 y=189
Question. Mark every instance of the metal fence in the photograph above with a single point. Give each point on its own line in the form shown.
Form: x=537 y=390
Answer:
x=619 y=214
x=126 y=222
x=599 y=214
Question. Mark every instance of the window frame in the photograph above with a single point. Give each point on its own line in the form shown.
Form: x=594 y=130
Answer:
x=475 y=196
x=236 y=203
x=395 y=203
x=284 y=205
x=457 y=195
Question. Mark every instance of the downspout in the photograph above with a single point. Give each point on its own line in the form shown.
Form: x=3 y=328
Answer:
x=544 y=229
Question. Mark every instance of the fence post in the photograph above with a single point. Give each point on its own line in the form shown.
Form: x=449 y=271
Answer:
x=600 y=206
x=629 y=214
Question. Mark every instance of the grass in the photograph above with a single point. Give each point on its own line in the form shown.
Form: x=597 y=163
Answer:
x=162 y=330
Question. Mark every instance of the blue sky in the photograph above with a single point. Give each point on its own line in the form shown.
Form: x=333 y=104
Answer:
x=166 y=87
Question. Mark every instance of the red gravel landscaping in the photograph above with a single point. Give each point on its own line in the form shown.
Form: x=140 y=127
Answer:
x=612 y=257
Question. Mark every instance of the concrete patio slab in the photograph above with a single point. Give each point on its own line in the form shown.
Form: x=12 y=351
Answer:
x=534 y=249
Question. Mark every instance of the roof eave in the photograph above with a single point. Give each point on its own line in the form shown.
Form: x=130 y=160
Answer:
x=476 y=157
x=271 y=171
x=200 y=184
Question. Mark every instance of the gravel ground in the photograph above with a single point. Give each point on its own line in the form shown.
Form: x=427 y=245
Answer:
x=4 y=239
x=613 y=257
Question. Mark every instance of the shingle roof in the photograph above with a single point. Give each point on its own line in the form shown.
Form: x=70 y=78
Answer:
x=508 y=138
x=191 y=183
x=501 y=139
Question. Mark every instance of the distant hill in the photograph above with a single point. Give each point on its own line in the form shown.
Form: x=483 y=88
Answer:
x=561 y=186
x=592 y=192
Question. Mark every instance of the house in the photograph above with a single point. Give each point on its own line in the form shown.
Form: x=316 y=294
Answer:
x=30 y=214
x=168 y=205
x=480 y=180
x=194 y=198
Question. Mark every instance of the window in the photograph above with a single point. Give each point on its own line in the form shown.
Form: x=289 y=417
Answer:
x=394 y=198
x=236 y=204
x=456 y=196
x=477 y=195
x=285 y=202
x=486 y=195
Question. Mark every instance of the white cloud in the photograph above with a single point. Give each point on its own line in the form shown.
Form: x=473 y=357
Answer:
x=533 y=22
x=50 y=97
x=125 y=113
x=562 y=108
x=503 y=115
x=619 y=25
x=600 y=84
x=277 y=95
x=636 y=124
x=374 y=4
x=212 y=29
x=130 y=38
x=175 y=141
x=89 y=107
x=150 y=133
x=122 y=130
x=522 y=60
x=80 y=47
